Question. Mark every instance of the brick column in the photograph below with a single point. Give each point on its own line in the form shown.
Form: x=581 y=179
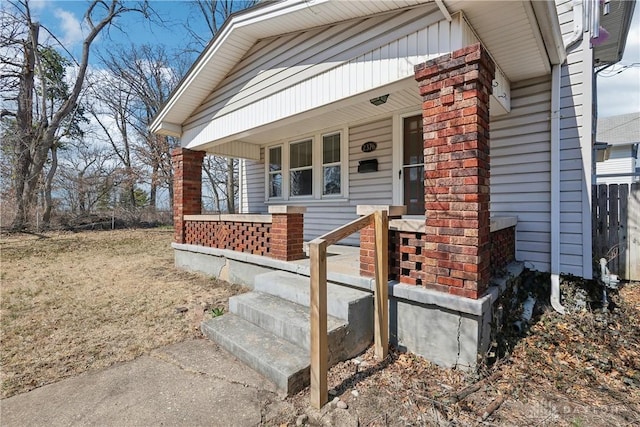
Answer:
x=187 y=187
x=287 y=231
x=368 y=237
x=455 y=90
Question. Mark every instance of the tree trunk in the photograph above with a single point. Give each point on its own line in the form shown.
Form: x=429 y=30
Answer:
x=231 y=186
x=24 y=122
x=206 y=167
x=48 y=201
x=154 y=187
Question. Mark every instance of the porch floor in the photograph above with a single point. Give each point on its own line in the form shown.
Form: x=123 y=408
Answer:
x=340 y=259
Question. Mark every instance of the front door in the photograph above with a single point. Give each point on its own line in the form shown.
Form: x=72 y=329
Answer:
x=412 y=171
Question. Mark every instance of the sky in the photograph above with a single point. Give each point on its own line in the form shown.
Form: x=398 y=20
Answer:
x=64 y=18
x=618 y=87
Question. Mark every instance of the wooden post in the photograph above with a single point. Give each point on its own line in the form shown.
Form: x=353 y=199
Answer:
x=614 y=224
x=633 y=233
x=381 y=296
x=318 y=306
x=623 y=236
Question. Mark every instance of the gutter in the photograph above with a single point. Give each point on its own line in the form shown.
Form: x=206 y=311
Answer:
x=578 y=24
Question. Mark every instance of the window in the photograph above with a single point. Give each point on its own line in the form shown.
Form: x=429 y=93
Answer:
x=331 y=174
x=275 y=171
x=301 y=168
x=311 y=168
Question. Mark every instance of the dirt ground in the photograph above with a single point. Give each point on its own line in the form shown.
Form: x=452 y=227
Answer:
x=77 y=302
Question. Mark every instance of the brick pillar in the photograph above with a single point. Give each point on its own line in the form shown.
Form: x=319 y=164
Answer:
x=455 y=90
x=368 y=238
x=287 y=231
x=187 y=187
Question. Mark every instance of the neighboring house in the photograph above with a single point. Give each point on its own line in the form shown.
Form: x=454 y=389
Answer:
x=618 y=137
x=334 y=105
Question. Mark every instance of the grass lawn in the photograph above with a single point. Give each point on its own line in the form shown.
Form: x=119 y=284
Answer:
x=72 y=302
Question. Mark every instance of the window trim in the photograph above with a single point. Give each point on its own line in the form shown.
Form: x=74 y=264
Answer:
x=317 y=167
x=301 y=168
x=269 y=172
x=324 y=165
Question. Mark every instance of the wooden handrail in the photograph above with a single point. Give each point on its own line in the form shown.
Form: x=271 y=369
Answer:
x=346 y=230
x=318 y=300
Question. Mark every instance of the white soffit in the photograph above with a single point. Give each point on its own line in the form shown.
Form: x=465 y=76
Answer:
x=240 y=33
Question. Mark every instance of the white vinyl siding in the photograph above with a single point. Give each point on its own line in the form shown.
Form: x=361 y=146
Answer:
x=576 y=97
x=371 y=188
x=253 y=186
x=520 y=169
x=619 y=162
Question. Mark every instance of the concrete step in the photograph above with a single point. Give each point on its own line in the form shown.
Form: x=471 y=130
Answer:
x=342 y=301
x=290 y=321
x=284 y=363
x=351 y=305
x=269 y=328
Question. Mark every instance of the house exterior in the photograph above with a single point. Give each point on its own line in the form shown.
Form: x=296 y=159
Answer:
x=470 y=122
x=619 y=137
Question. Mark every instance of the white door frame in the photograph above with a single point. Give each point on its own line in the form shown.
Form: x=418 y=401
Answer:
x=397 y=148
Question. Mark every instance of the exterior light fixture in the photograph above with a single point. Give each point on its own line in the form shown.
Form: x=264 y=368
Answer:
x=379 y=100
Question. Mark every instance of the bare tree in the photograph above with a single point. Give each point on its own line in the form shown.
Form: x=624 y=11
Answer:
x=148 y=74
x=37 y=127
x=111 y=110
x=215 y=13
x=88 y=177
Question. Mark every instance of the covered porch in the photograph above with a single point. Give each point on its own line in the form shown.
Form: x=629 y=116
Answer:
x=386 y=109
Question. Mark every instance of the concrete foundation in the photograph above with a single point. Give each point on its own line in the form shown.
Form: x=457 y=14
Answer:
x=446 y=329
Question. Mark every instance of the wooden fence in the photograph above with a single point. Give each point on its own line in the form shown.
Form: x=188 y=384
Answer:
x=616 y=227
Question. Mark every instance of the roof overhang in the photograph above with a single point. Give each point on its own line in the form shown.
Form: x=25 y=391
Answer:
x=241 y=31
x=616 y=23
x=497 y=26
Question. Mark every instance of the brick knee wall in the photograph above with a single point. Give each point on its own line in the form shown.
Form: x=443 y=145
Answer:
x=503 y=248
x=249 y=237
x=407 y=258
x=409 y=264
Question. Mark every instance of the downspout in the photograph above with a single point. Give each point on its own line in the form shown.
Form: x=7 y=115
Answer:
x=578 y=25
x=576 y=36
x=555 y=189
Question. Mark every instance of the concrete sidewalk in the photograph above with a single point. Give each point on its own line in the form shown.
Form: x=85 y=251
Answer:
x=192 y=383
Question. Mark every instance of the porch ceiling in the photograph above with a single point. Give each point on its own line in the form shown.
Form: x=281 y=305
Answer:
x=403 y=96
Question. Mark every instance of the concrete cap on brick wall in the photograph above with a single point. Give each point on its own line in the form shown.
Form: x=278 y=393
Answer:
x=391 y=210
x=284 y=209
x=501 y=222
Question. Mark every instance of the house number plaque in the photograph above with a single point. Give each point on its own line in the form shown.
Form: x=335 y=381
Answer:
x=369 y=146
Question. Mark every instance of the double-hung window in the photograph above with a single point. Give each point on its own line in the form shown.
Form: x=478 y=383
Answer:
x=310 y=168
x=331 y=171
x=301 y=168
x=275 y=172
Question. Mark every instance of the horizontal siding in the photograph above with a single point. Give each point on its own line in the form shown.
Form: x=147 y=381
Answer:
x=253 y=186
x=520 y=169
x=575 y=154
x=620 y=161
x=372 y=188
